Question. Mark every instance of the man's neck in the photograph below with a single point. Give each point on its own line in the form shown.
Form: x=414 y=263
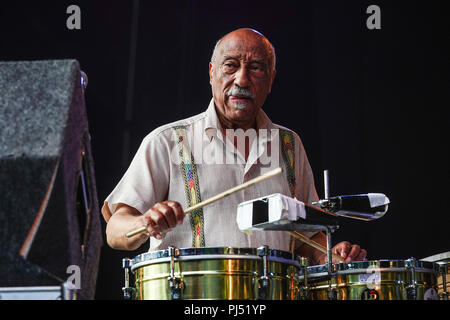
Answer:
x=226 y=124
x=234 y=126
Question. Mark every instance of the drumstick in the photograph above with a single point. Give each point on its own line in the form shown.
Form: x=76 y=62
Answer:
x=219 y=196
x=314 y=244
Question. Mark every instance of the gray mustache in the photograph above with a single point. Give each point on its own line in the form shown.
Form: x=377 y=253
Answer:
x=239 y=91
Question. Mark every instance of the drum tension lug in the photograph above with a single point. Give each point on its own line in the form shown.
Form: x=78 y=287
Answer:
x=304 y=290
x=332 y=294
x=411 y=290
x=264 y=280
x=128 y=292
x=175 y=284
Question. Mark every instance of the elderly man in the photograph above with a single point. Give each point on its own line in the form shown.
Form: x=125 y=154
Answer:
x=166 y=173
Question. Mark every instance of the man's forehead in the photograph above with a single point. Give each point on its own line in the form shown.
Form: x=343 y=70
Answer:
x=247 y=55
x=243 y=50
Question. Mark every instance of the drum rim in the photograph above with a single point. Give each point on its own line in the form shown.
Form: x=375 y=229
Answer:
x=381 y=265
x=386 y=264
x=191 y=253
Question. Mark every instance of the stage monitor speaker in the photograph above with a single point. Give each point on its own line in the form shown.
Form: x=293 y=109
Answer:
x=50 y=230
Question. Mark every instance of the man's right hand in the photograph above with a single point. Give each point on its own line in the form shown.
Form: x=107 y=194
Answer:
x=163 y=217
x=159 y=219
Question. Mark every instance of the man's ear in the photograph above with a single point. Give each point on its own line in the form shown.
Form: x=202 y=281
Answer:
x=210 y=72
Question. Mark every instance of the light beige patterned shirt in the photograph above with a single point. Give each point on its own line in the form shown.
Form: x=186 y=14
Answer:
x=154 y=175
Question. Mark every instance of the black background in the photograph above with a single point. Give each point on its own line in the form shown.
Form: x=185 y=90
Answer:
x=369 y=105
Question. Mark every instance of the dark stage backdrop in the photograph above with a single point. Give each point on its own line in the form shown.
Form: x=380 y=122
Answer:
x=369 y=105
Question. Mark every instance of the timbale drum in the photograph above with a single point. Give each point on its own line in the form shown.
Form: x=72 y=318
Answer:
x=372 y=280
x=215 y=273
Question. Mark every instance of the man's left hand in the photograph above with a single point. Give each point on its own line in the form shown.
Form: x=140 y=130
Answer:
x=349 y=252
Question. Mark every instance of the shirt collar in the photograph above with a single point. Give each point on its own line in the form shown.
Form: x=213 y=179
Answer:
x=213 y=125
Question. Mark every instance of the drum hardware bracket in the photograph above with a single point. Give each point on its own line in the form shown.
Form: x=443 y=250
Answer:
x=332 y=293
x=175 y=284
x=411 y=289
x=128 y=292
x=304 y=290
x=264 y=280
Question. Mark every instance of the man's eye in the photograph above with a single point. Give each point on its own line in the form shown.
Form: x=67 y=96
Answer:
x=256 y=68
x=229 y=67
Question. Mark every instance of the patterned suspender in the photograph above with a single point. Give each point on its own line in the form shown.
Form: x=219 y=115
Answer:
x=191 y=187
x=288 y=153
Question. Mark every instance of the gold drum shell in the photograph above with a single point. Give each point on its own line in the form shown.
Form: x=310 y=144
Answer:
x=216 y=273
x=372 y=280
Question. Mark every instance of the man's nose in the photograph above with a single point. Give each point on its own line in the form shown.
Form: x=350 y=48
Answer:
x=242 y=78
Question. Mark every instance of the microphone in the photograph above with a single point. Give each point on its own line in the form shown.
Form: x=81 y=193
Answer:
x=367 y=207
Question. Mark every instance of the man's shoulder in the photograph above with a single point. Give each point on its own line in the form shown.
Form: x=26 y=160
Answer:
x=295 y=135
x=282 y=128
x=168 y=128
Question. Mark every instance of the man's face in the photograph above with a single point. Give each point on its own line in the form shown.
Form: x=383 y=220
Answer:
x=241 y=77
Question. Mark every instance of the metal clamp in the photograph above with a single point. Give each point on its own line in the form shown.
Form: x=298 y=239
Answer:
x=175 y=284
x=128 y=292
x=264 y=280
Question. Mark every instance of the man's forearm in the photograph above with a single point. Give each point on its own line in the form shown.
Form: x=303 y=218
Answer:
x=121 y=222
x=314 y=256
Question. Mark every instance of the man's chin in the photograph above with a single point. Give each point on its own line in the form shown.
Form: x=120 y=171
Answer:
x=241 y=106
x=244 y=112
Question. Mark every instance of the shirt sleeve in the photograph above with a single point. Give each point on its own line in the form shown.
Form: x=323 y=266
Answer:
x=146 y=180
